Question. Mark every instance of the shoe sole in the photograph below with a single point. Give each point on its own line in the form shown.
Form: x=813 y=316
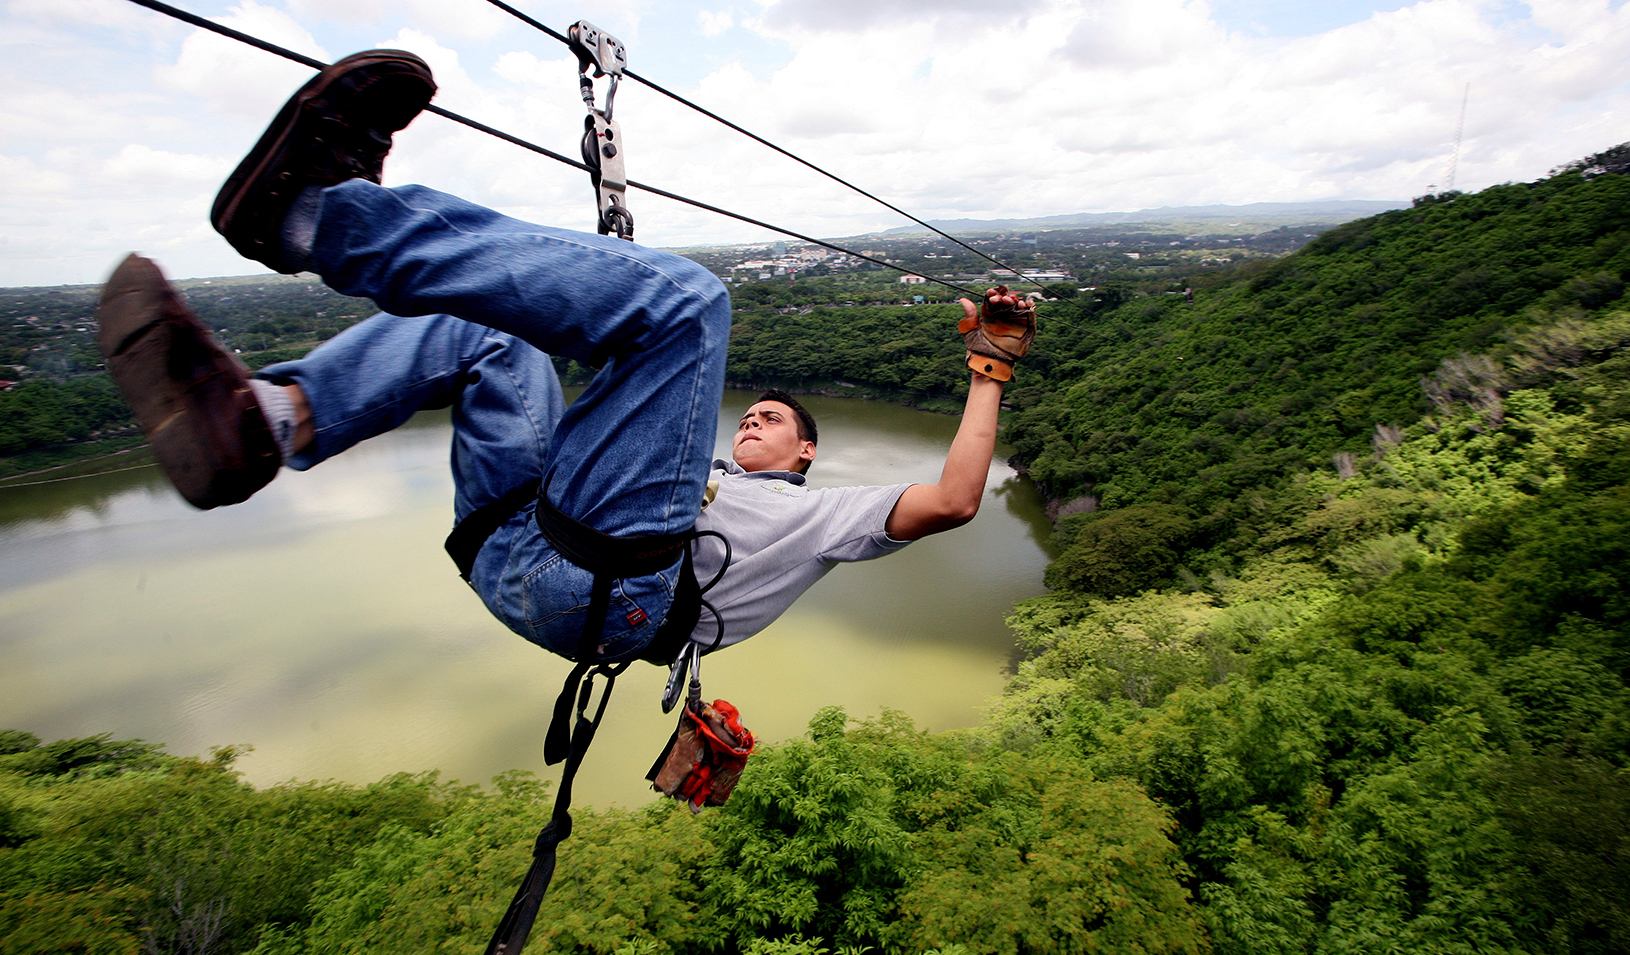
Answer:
x=260 y=178
x=190 y=395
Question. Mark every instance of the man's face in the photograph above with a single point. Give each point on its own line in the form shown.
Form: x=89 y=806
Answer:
x=767 y=439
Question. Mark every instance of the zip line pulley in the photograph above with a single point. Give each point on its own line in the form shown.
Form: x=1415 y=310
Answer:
x=601 y=54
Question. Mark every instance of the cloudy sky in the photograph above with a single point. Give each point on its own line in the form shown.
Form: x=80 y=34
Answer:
x=118 y=124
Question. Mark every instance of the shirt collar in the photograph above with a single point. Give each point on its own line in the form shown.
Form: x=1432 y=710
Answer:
x=732 y=468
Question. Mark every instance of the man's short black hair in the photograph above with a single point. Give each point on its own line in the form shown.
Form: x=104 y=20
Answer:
x=806 y=421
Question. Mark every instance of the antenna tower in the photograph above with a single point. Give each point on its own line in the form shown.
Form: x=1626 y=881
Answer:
x=1460 y=128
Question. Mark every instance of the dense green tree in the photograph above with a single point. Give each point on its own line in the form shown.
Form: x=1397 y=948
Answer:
x=879 y=834
x=1037 y=856
x=178 y=850
x=1336 y=661
x=39 y=414
x=1277 y=367
x=1122 y=551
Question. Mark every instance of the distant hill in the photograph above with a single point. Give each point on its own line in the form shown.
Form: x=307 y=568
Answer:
x=1276 y=366
x=1260 y=215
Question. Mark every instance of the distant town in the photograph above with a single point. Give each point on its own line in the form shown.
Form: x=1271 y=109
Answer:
x=1045 y=257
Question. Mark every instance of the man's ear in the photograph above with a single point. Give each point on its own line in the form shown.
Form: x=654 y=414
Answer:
x=806 y=450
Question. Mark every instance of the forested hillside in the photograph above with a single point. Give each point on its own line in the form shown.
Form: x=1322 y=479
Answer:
x=1336 y=659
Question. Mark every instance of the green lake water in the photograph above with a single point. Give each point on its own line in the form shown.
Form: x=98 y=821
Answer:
x=322 y=623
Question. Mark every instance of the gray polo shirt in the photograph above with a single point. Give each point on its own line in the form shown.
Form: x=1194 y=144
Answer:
x=784 y=536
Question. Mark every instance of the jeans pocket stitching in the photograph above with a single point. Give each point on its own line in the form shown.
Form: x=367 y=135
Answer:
x=529 y=605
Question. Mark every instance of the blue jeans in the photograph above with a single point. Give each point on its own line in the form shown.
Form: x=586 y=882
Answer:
x=473 y=301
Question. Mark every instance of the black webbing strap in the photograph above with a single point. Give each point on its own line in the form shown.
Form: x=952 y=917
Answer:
x=593 y=551
x=469 y=534
x=608 y=558
x=603 y=554
x=516 y=925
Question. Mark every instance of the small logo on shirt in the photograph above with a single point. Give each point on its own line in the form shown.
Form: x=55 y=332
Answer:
x=636 y=618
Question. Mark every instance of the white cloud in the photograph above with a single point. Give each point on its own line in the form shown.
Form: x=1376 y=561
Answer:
x=713 y=24
x=854 y=16
x=364 y=12
x=458 y=21
x=236 y=79
x=113 y=15
x=451 y=79
x=949 y=108
x=22 y=177
x=144 y=166
x=1132 y=35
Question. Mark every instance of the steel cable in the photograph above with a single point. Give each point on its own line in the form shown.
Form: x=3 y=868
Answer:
x=269 y=47
x=500 y=4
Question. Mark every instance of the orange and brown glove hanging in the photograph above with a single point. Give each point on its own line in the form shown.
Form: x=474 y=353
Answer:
x=705 y=757
x=1000 y=334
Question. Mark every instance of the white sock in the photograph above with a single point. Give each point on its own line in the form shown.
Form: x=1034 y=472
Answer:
x=278 y=409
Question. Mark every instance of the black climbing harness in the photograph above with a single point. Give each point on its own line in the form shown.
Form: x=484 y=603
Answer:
x=571 y=730
x=603 y=53
x=603 y=554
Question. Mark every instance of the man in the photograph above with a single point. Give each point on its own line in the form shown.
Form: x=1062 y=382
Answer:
x=572 y=522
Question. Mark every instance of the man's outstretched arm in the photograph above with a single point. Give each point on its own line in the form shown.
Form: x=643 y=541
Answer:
x=931 y=508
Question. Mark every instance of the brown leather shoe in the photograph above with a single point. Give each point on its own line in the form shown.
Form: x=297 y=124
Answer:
x=337 y=127
x=189 y=394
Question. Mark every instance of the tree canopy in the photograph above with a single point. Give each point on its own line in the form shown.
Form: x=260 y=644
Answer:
x=1336 y=659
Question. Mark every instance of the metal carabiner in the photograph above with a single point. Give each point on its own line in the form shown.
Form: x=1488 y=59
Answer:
x=690 y=658
x=602 y=147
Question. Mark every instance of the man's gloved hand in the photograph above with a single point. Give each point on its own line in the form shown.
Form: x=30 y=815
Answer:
x=998 y=333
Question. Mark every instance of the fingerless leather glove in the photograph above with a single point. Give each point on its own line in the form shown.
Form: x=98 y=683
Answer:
x=1000 y=336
